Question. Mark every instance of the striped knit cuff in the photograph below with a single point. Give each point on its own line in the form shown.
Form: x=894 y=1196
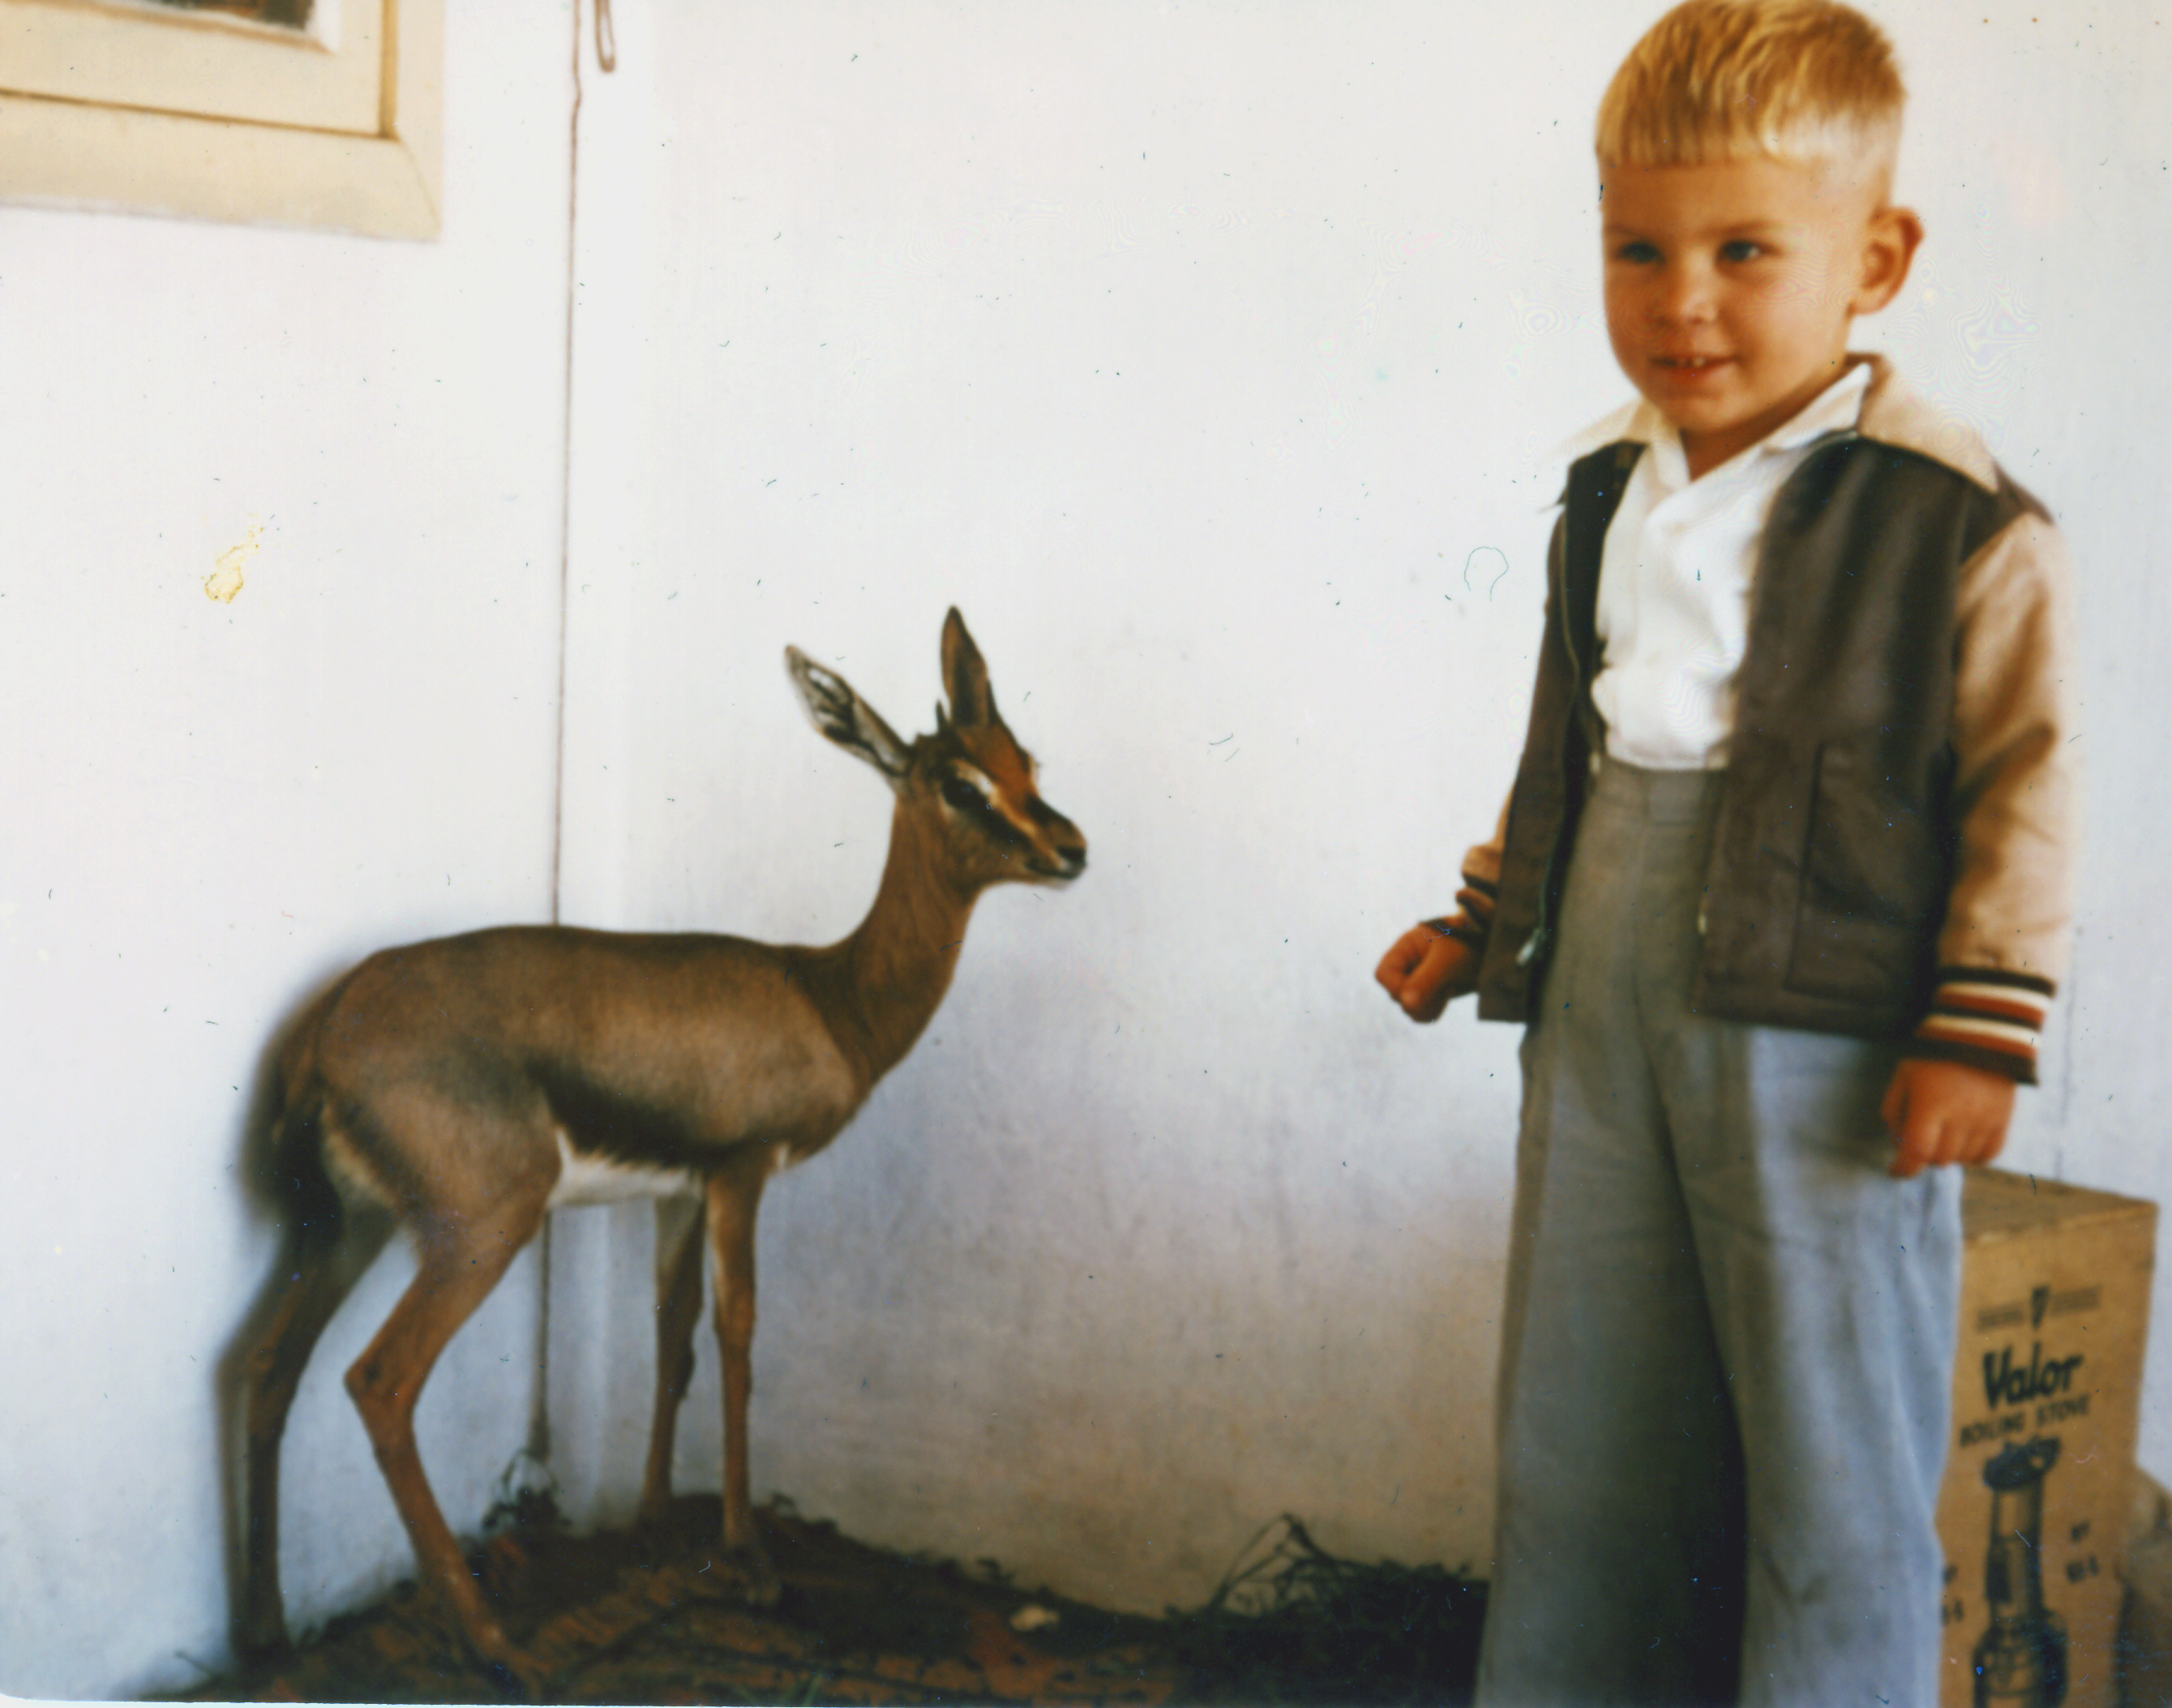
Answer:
x=1981 y=1017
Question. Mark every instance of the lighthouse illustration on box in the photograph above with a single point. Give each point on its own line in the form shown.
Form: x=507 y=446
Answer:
x=2021 y=1659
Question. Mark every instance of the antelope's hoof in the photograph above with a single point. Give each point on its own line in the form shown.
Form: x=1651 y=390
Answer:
x=467 y=1620
x=743 y=1575
x=764 y=1588
x=519 y=1676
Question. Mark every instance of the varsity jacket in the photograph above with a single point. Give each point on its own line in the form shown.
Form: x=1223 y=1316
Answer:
x=1894 y=851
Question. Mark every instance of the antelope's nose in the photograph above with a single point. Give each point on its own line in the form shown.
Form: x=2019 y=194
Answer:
x=1065 y=839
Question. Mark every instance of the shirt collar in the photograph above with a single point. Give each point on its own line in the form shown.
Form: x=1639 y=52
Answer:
x=1837 y=409
x=1885 y=410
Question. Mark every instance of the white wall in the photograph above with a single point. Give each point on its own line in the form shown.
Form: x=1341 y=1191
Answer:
x=1203 y=354
x=207 y=809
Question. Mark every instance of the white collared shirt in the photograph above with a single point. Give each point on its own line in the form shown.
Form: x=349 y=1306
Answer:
x=1673 y=581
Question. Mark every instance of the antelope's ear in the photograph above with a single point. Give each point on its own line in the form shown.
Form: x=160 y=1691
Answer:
x=847 y=719
x=965 y=676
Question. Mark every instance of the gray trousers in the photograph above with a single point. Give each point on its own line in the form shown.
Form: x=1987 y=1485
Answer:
x=1728 y=1346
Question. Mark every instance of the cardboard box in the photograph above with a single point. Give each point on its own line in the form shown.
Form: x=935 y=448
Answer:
x=2035 y=1507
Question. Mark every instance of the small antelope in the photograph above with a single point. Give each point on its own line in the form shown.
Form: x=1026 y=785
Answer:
x=466 y=1085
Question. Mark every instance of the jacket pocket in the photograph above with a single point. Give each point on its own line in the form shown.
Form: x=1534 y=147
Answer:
x=1874 y=878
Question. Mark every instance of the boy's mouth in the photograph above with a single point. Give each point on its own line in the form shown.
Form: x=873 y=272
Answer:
x=1690 y=367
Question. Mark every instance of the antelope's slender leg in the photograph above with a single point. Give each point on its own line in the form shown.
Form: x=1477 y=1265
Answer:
x=314 y=1276
x=734 y=1195
x=461 y=1260
x=677 y=1309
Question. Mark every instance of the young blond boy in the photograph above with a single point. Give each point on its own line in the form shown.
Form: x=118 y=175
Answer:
x=1780 y=891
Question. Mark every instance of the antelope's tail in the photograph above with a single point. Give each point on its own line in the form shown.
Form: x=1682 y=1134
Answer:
x=299 y=1176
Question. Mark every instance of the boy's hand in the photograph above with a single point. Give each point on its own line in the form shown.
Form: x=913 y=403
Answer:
x=1940 y=1112
x=1426 y=969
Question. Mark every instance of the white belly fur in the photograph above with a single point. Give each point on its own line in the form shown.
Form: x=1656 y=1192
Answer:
x=584 y=1179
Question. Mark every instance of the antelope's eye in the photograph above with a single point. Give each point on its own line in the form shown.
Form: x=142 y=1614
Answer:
x=963 y=795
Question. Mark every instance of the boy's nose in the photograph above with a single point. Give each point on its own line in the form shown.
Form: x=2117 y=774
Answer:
x=1684 y=298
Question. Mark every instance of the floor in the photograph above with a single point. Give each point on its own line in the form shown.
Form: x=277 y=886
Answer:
x=628 y=1617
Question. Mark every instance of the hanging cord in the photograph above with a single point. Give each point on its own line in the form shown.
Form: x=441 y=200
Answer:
x=607 y=56
x=538 y=1449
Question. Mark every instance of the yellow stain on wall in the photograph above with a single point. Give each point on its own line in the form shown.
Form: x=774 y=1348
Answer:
x=225 y=579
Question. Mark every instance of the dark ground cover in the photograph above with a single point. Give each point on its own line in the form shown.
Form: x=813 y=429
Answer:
x=629 y=1616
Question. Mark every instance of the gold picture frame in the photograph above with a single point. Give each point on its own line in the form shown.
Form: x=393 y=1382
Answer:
x=139 y=109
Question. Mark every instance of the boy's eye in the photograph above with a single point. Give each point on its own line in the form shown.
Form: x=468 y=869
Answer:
x=1636 y=253
x=1741 y=249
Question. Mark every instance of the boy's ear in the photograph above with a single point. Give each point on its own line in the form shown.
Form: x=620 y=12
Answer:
x=1889 y=248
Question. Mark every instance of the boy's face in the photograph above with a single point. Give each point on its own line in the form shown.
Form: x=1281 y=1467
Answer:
x=1730 y=285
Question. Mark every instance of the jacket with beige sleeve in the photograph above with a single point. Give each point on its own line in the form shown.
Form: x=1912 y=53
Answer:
x=1893 y=853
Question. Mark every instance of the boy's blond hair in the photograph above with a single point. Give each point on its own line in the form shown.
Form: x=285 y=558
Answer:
x=1800 y=80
